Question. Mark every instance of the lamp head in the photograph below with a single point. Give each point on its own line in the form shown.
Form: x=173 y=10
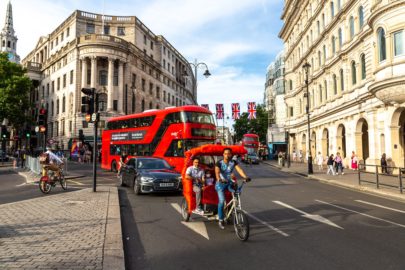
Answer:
x=207 y=73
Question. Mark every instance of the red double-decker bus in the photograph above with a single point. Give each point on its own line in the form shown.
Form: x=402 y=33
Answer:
x=166 y=133
x=251 y=143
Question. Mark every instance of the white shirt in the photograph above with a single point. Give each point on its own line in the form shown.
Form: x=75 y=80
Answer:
x=53 y=158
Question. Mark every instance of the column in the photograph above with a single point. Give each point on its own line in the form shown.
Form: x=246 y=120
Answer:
x=93 y=72
x=120 y=86
x=84 y=72
x=110 y=87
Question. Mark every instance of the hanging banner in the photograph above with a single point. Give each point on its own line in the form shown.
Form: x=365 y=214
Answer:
x=219 y=111
x=252 y=110
x=235 y=111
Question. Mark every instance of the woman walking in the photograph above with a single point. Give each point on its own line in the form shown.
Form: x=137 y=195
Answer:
x=339 y=164
x=330 y=165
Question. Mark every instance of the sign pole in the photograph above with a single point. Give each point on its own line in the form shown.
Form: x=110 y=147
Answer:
x=95 y=120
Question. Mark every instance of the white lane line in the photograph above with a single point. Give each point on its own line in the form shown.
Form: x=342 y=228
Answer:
x=196 y=226
x=267 y=225
x=310 y=216
x=75 y=182
x=381 y=206
x=366 y=215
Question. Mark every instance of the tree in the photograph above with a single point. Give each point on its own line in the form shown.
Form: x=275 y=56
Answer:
x=257 y=126
x=14 y=92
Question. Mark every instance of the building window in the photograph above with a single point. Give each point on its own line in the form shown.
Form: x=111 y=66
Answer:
x=133 y=102
x=88 y=76
x=67 y=31
x=318 y=27
x=382 y=52
x=106 y=29
x=354 y=80
x=143 y=85
x=361 y=17
x=351 y=23
x=8 y=44
x=115 y=105
x=103 y=77
x=144 y=39
x=47 y=89
x=164 y=96
x=324 y=54
x=326 y=89
x=342 y=80
x=57 y=106
x=320 y=94
x=115 y=82
x=291 y=111
x=158 y=92
x=63 y=104
x=52 y=108
x=90 y=28
x=363 y=66
x=334 y=84
x=340 y=38
x=57 y=128
x=151 y=88
x=58 y=84
x=151 y=45
x=319 y=59
x=333 y=45
x=150 y=105
x=71 y=77
x=332 y=9
x=64 y=81
x=291 y=85
x=164 y=63
x=133 y=82
x=339 y=5
x=53 y=86
x=143 y=105
x=398 y=43
x=120 y=31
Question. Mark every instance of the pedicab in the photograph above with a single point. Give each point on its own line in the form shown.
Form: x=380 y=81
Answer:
x=208 y=155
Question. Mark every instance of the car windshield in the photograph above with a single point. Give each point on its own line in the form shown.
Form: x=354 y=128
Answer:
x=152 y=164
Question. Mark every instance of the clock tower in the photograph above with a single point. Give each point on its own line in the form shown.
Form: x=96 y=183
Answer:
x=8 y=38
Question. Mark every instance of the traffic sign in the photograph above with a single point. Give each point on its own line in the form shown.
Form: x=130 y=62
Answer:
x=94 y=117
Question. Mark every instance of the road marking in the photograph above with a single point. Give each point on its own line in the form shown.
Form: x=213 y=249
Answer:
x=75 y=182
x=20 y=185
x=309 y=216
x=266 y=224
x=366 y=215
x=196 y=226
x=381 y=206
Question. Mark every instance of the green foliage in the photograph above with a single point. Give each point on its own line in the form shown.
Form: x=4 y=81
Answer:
x=14 y=92
x=257 y=126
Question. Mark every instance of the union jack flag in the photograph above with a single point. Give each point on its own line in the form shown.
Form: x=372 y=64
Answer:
x=235 y=111
x=252 y=110
x=220 y=111
x=205 y=106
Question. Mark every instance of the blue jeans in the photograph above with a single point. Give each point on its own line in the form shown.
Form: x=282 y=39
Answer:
x=220 y=188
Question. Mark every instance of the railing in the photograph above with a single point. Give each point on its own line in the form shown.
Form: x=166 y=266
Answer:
x=32 y=163
x=386 y=176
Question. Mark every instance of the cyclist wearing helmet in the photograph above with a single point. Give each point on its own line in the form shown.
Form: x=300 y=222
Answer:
x=223 y=172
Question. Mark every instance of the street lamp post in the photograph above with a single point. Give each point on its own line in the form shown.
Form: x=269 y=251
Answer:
x=306 y=68
x=206 y=74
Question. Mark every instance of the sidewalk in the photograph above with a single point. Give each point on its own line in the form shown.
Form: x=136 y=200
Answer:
x=71 y=230
x=348 y=180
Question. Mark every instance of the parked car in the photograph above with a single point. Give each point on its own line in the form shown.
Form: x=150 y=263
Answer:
x=253 y=158
x=150 y=174
x=3 y=156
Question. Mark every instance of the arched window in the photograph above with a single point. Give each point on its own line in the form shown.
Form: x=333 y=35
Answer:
x=334 y=84
x=340 y=38
x=323 y=21
x=361 y=17
x=363 y=66
x=57 y=106
x=324 y=54
x=333 y=45
x=332 y=9
x=143 y=104
x=326 y=89
x=63 y=104
x=354 y=80
x=320 y=94
x=342 y=80
x=382 y=51
x=351 y=23
x=319 y=58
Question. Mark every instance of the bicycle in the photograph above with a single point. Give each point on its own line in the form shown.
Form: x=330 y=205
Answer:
x=49 y=179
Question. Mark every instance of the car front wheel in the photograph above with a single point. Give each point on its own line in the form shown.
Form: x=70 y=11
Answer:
x=137 y=188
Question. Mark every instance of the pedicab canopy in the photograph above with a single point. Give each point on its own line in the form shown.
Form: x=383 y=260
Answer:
x=204 y=150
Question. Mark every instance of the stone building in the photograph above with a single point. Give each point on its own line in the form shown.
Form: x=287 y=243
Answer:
x=132 y=68
x=356 y=80
x=275 y=106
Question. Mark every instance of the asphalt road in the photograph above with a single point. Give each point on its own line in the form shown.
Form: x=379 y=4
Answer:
x=295 y=224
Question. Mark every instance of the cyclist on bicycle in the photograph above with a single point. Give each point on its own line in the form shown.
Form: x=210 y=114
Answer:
x=55 y=162
x=223 y=172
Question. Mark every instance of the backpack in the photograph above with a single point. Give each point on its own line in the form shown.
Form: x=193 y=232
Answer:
x=44 y=158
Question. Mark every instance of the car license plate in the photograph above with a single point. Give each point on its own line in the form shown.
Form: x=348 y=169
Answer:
x=166 y=184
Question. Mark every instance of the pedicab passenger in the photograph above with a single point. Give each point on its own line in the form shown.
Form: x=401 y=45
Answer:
x=195 y=174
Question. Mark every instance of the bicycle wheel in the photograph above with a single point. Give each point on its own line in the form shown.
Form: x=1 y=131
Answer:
x=241 y=225
x=184 y=210
x=63 y=182
x=44 y=186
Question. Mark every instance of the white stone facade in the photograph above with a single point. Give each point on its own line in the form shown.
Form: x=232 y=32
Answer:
x=356 y=82
x=120 y=57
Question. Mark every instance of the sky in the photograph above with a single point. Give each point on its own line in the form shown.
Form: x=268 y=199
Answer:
x=237 y=39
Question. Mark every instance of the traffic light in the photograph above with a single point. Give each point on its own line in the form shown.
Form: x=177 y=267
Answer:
x=88 y=100
x=27 y=134
x=3 y=132
x=42 y=117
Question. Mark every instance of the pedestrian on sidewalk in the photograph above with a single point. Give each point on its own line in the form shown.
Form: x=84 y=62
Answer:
x=354 y=162
x=294 y=156
x=339 y=164
x=280 y=157
x=330 y=162
x=319 y=161
x=300 y=156
x=384 y=163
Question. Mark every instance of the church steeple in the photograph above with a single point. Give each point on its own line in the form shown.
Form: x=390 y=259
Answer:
x=8 y=38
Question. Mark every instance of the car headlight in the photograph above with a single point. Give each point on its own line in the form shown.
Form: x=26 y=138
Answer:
x=147 y=179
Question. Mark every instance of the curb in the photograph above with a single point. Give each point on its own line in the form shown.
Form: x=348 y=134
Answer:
x=113 y=249
x=364 y=189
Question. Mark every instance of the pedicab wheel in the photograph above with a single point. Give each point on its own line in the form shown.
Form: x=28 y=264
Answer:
x=44 y=186
x=63 y=182
x=241 y=225
x=184 y=210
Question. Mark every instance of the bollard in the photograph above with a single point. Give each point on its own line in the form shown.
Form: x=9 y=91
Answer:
x=358 y=173
x=376 y=176
x=400 y=180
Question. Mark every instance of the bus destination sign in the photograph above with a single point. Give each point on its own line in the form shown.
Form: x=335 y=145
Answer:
x=128 y=136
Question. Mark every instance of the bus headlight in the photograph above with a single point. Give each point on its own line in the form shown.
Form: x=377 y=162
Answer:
x=147 y=179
